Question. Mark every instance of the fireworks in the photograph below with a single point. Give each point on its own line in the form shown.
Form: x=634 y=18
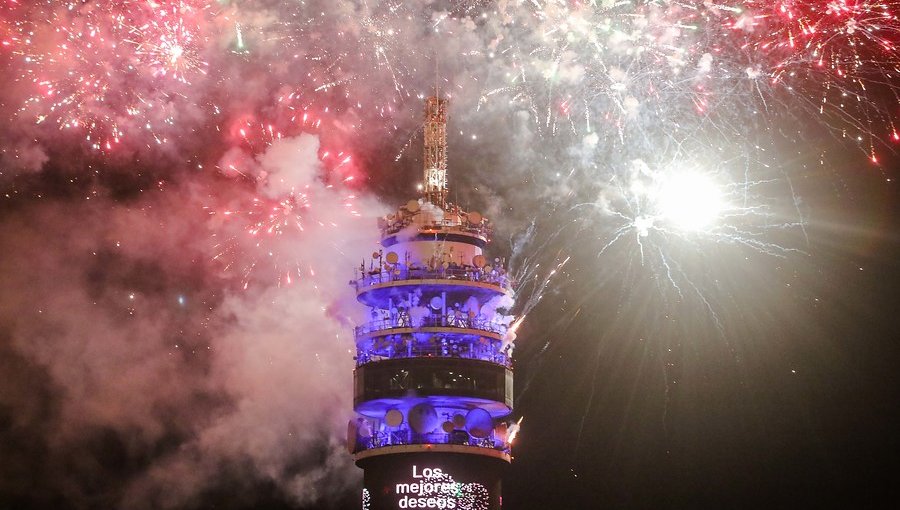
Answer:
x=263 y=222
x=281 y=206
x=686 y=199
x=638 y=69
x=280 y=215
x=602 y=82
x=669 y=217
x=168 y=43
x=269 y=229
x=93 y=66
x=652 y=68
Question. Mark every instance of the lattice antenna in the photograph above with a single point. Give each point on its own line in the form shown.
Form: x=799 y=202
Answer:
x=435 y=184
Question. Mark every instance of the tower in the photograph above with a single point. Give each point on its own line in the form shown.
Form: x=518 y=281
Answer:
x=433 y=378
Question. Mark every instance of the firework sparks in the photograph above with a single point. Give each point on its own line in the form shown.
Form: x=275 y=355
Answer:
x=263 y=222
x=169 y=42
x=671 y=214
x=270 y=220
x=636 y=69
x=645 y=68
x=92 y=66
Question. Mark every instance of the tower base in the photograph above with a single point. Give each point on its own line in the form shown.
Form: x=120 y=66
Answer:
x=423 y=478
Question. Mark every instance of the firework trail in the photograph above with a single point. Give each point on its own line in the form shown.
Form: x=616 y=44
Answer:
x=279 y=203
x=642 y=67
x=106 y=70
x=601 y=82
x=630 y=71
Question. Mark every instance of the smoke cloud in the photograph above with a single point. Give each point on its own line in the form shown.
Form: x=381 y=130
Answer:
x=147 y=378
x=186 y=186
x=156 y=352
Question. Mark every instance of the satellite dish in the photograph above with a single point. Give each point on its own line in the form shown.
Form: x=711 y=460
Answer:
x=392 y=257
x=365 y=431
x=475 y=217
x=393 y=418
x=459 y=420
x=502 y=432
x=459 y=437
x=376 y=255
x=479 y=261
x=437 y=302
x=447 y=427
x=412 y=206
x=479 y=423
x=497 y=260
x=423 y=419
x=351 y=436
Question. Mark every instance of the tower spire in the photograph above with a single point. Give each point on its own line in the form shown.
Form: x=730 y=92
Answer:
x=435 y=127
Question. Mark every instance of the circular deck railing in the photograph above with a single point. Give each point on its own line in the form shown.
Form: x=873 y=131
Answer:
x=403 y=274
x=405 y=436
x=403 y=320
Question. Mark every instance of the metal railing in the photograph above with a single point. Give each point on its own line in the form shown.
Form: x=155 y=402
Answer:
x=405 y=436
x=480 y=354
x=470 y=274
x=451 y=320
x=482 y=230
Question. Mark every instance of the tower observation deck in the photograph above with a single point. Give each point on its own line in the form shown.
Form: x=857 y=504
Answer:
x=433 y=384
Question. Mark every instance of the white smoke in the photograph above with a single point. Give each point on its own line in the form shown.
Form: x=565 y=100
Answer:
x=126 y=319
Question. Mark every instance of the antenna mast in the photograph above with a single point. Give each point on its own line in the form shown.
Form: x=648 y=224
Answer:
x=435 y=185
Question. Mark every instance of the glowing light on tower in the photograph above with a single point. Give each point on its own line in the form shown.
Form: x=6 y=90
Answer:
x=433 y=380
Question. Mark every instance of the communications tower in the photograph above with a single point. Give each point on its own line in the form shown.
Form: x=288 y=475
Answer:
x=433 y=384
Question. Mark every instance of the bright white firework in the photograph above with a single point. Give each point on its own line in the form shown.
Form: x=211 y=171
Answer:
x=672 y=212
x=689 y=200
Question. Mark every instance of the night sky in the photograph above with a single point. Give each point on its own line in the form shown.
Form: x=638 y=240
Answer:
x=186 y=188
x=794 y=405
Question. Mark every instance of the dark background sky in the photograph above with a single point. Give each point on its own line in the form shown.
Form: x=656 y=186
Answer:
x=794 y=405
